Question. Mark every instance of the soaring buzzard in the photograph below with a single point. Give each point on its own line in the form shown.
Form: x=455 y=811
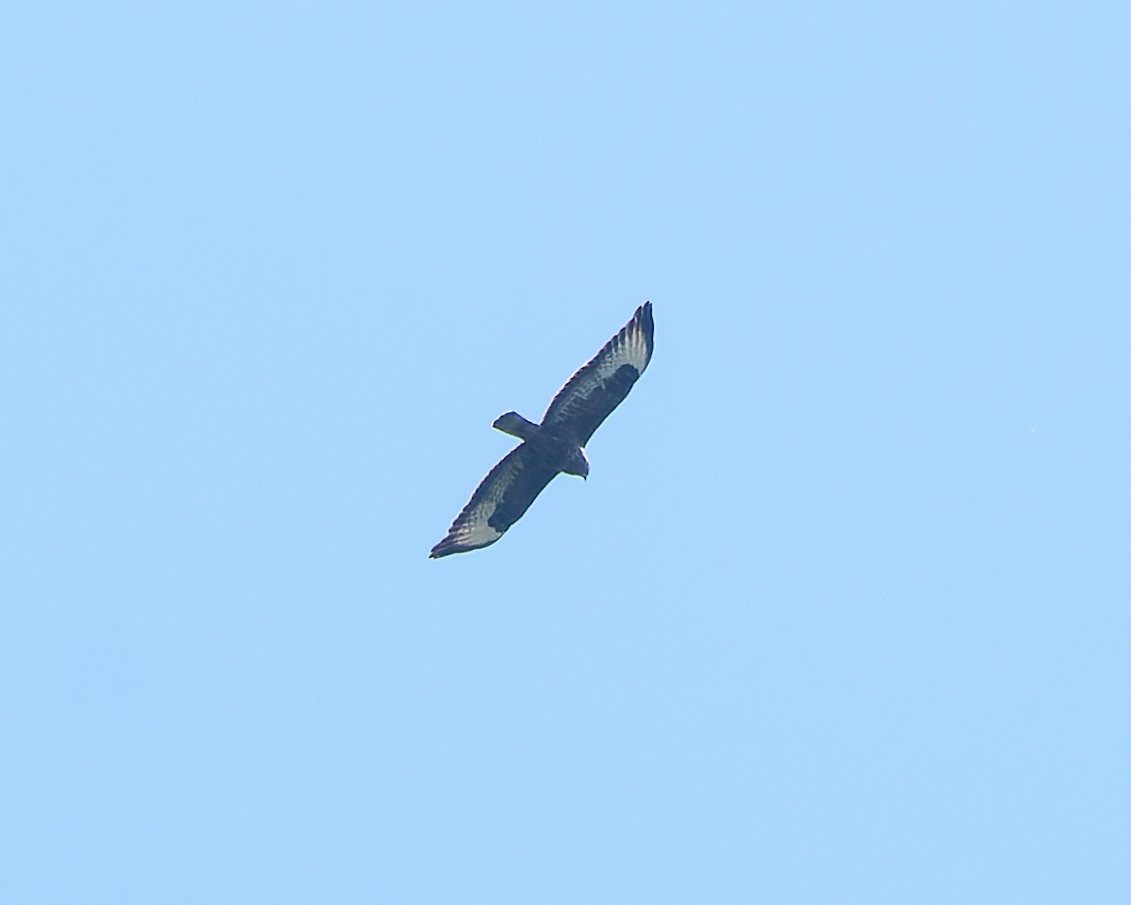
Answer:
x=555 y=445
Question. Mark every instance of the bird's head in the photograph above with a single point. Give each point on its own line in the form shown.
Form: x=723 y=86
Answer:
x=578 y=464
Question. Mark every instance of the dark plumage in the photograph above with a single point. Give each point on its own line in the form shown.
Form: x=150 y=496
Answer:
x=557 y=444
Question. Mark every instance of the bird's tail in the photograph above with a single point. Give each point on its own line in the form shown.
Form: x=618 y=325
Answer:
x=514 y=424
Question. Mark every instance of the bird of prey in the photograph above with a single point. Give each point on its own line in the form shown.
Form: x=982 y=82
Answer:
x=557 y=444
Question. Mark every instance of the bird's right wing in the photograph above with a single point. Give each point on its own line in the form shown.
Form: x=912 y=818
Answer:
x=598 y=387
x=498 y=502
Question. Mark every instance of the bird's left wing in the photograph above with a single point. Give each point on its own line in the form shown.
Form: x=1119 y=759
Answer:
x=498 y=502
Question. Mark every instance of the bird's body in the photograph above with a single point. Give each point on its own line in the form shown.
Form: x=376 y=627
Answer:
x=555 y=446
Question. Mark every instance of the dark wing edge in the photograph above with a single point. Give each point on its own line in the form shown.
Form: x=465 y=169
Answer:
x=498 y=502
x=601 y=385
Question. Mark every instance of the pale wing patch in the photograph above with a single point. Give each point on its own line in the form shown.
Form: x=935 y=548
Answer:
x=628 y=348
x=471 y=529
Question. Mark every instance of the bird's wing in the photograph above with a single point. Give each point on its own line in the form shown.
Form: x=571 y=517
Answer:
x=601 y=385
x=498 y=502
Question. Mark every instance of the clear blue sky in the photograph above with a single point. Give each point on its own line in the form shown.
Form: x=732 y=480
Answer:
x=841 y=614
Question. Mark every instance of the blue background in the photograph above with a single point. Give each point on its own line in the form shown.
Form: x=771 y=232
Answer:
x=841 y=614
